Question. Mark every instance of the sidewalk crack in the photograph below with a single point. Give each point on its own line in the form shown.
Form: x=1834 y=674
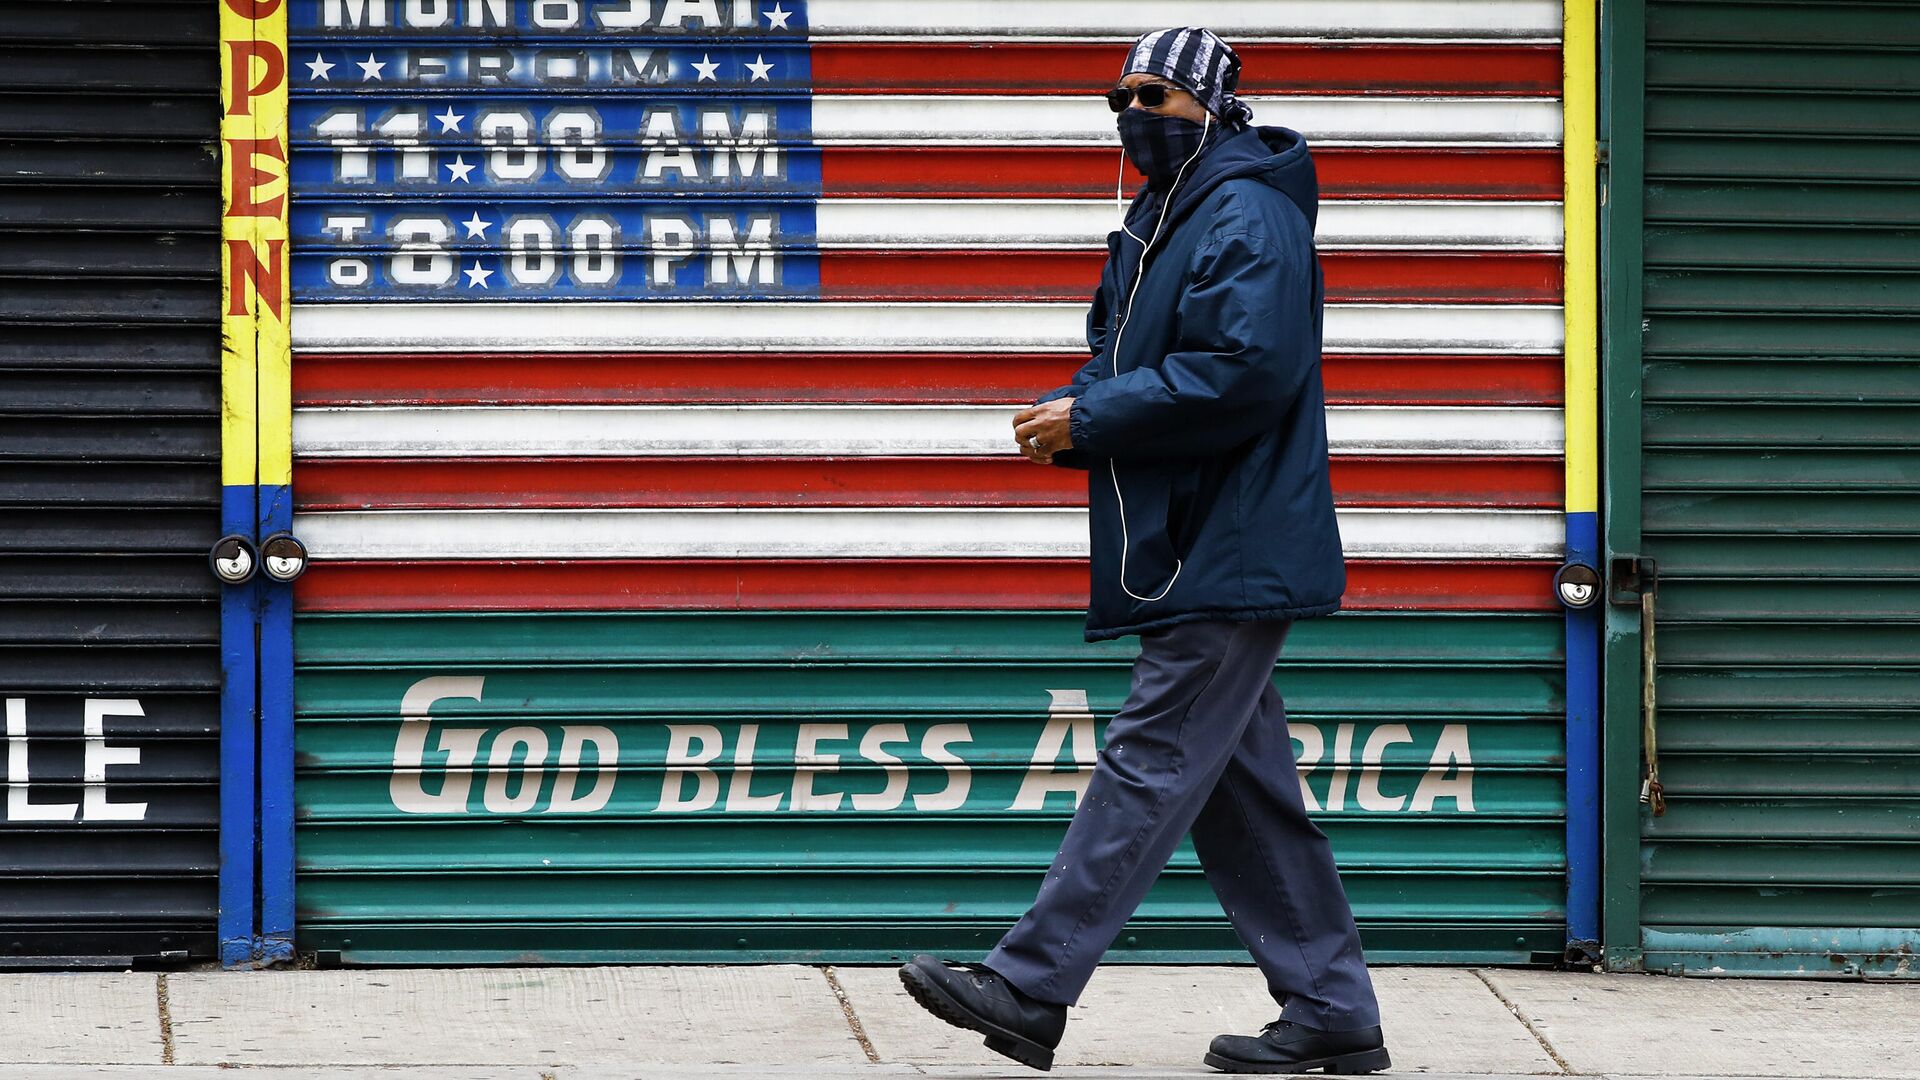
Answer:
x=853 y=1020
x=1525 y=1023
x=166 y=1018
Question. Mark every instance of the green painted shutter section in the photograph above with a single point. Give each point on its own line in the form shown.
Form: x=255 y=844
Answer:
x=1780 y=421
x=944 y=749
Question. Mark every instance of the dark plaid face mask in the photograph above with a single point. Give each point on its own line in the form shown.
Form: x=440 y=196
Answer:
x=1158 y=144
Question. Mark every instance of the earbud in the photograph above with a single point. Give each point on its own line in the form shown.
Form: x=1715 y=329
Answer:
x=1121 y=328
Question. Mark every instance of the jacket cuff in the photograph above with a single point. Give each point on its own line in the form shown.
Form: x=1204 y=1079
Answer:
x=1079 y=427
x=1057 y=392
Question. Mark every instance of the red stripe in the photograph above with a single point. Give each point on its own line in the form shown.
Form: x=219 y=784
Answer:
x=961 y=172
x=1352 y=276
x=322 y=379
x=1047 y=68
x=475 y=483
x=1049 y=584
x=1444 y=380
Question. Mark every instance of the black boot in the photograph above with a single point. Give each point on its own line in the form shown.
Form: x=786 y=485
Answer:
x=1286 y=1047
x=974 y=997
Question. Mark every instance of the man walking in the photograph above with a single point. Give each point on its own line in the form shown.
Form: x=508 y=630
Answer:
x=1201 y=421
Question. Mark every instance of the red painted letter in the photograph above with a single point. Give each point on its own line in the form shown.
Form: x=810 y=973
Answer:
x=263 y=279
x=270 y=80
x=247 y=179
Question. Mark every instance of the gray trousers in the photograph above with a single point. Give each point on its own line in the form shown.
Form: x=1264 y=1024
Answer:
x=1201 y=743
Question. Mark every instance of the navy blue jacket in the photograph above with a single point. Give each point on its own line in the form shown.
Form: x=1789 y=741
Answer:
x=1210 y=423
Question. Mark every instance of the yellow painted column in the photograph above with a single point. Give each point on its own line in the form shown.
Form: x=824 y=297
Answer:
x=1580 y=112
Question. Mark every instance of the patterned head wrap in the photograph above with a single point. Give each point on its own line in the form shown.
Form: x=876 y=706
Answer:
x=1196 y=60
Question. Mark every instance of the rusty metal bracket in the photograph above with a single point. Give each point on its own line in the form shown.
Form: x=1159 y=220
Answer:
x=1627 y=577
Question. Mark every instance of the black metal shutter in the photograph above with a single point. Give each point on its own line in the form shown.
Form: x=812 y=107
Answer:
x=109 y=478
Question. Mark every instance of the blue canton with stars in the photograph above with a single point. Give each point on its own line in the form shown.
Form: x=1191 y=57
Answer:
x=538 y=149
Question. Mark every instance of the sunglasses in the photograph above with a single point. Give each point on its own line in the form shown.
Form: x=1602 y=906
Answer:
x=1151 y=95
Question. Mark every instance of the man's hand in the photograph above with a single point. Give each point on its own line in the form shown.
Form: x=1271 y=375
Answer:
x=1041 y=430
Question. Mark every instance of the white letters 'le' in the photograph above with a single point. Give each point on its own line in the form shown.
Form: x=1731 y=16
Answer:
x=97 y=755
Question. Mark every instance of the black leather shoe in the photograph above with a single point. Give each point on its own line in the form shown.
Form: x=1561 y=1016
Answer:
x=974 y=997
x=1286 y=1047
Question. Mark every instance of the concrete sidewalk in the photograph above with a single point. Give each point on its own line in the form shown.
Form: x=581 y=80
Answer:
x=812 y=1023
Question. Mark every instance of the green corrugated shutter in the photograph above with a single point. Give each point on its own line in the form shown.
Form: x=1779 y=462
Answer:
x=1780 y=461
x=712 y=862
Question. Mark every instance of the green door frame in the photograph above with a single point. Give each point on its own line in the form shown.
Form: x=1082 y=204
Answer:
x=1622 y=202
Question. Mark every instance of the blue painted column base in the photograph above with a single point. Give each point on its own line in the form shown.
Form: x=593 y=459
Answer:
x=1583 y=753
x=275 y=919
x=255 y=922
x=239 y=691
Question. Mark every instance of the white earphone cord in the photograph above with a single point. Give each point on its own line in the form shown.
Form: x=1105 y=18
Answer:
x=1119 y=330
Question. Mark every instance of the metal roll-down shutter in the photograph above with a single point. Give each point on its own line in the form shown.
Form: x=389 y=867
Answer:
x=1778 y=415
x=109 y=480
x=677 y=594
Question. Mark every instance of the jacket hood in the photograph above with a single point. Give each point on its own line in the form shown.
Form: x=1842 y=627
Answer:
x=1276 y=156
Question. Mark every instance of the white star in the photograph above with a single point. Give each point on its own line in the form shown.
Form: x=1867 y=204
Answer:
x=459 y=168
x=318 y=67
x=759 y=67
x=370 y=68
x=477 y=276
x=706 y=68
x=778 y=16
x=477 y=228
x=449 y=120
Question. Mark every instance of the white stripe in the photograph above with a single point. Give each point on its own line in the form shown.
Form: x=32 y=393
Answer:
x=1396 y=119
x=868 y=327
x=1082 y=223
x=1237 y=22
x=836 y=431
x=919 y=532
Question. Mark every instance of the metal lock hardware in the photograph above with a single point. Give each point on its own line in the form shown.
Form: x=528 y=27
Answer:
x=233 y=560
x=1577 y=585
x=284 y=556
